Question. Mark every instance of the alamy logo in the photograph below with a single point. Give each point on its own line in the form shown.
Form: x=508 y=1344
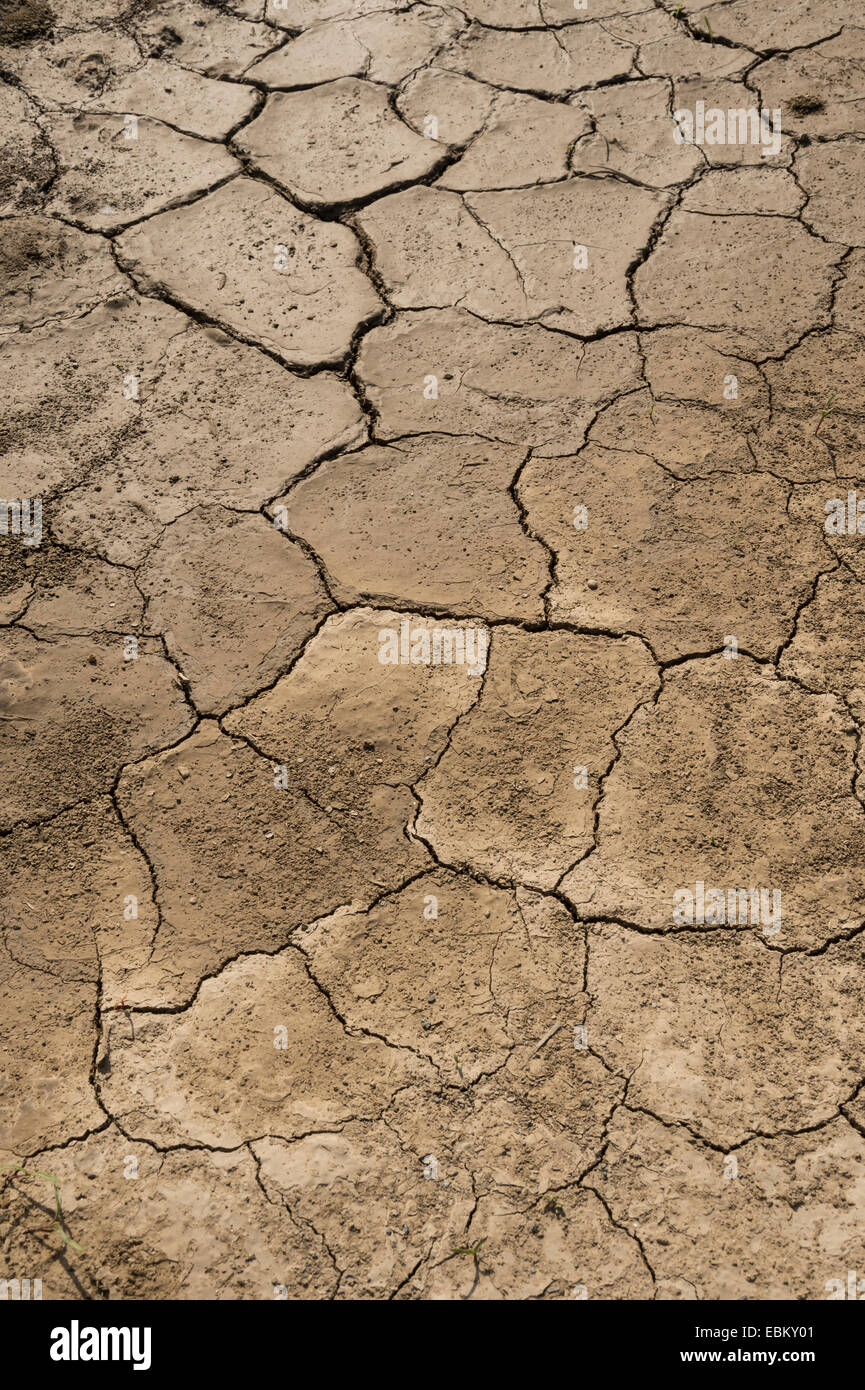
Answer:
x=438 y=646
x=743 y=125
x=22 y=517
x=21 y=1290
x=837 y=1289
x=844 y=518
x=716 y=907
x=74 y=1343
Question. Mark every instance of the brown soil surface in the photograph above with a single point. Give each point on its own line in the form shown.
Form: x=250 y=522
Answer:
x=432 y=844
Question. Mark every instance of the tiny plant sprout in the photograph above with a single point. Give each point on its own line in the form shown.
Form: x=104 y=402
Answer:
x=825 y=411
x=475 y=1252
x=58 y=1222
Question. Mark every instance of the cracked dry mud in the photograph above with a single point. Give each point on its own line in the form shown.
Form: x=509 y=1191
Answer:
x=328 y=327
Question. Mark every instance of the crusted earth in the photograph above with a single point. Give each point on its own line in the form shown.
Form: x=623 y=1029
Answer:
x=432 y=681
